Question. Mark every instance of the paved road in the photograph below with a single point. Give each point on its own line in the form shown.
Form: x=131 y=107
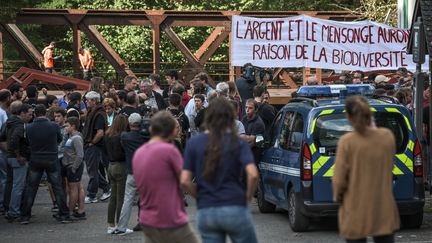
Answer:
x=270 y=227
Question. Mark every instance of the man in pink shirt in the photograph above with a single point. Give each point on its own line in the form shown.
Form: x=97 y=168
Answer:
x=156 y=169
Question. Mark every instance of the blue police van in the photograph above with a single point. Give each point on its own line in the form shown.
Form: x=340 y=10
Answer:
x=297 y=163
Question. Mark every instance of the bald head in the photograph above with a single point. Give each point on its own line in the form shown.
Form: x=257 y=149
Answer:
x=312 y=80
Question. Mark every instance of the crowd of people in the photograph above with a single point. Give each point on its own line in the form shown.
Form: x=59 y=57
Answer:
x=148 y=141
x=132 y=142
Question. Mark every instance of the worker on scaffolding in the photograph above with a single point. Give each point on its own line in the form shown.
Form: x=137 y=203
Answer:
x=48 y=58
x=87 y=63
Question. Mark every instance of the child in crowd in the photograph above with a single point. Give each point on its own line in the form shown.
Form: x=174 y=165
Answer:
x=73 y=162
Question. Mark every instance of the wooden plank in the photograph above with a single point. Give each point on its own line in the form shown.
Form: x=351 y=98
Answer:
x=280 y=96
x=287 y=80
x=306 y=74
x=318 y=74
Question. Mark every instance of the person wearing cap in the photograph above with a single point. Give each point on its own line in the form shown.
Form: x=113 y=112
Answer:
x=381 y=79
x=94 y=130
x=130 y=142
x=68 y=89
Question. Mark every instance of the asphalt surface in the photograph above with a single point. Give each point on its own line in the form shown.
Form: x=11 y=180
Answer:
x=272 y=228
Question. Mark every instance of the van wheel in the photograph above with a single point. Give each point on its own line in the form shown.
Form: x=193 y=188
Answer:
x=413 y=221
x=263 y=205
x=298 y=221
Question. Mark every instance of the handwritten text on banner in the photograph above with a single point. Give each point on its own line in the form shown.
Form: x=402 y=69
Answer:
x=304 y=41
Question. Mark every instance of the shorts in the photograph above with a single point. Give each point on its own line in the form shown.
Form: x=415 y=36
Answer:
x=75 y=177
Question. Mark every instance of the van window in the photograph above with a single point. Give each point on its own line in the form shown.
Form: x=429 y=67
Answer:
x=329 y=128
x=275 y=129
x=296 y=137
x=286 y=129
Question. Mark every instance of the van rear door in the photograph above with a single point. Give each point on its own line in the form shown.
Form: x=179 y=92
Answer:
x=328 y=127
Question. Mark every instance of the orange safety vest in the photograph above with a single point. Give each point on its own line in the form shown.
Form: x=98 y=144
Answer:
x=85 y=58
x=48 y=60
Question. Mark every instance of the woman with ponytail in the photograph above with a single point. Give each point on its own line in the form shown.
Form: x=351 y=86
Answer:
x=218 y=159
x=363 y=178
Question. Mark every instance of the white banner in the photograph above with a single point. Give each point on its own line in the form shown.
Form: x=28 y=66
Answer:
x=304 y=41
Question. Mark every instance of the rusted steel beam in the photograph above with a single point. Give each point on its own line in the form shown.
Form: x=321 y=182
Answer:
x=25 y=48
x=76 y=46
x=156 y=18
x=182 y=47
x=175 y=18
x=196 y=22
x=212 y=37
x=25 y=76
x=213 y=47
x=106 y=50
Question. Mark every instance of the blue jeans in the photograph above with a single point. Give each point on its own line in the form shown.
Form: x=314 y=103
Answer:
x=130 y=192
x=36 y=169
x=18 y=183
x=215 y=223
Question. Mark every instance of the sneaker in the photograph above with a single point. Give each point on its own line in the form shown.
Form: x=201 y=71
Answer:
x=105 y=195
x=66 y=220
x=88 y=200
x=111 y=230
x=80 y=216
x=24 y=220
x=120 y=232
x=54 y=209
x=10 y=218
x=62 y=219
x=137 y=227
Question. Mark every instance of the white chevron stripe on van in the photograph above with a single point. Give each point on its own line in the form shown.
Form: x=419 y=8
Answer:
x=280 y=169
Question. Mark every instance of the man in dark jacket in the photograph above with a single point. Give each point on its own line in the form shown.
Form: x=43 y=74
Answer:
x=254 y=126
x=130 y=142
x=18 y=154
x=93 y=132
x=265 y=111
x=44 y=137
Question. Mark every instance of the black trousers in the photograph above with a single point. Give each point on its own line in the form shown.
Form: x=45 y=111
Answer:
x=93 y=159
x=377 y=239
x=34 y=175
